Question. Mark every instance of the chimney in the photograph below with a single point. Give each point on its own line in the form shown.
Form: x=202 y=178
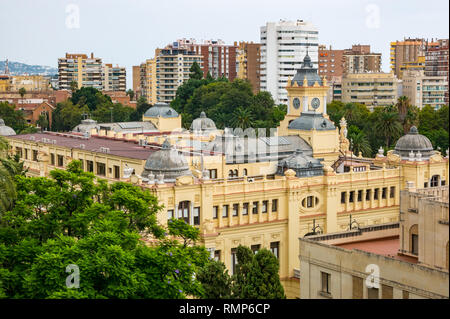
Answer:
x=92 y=55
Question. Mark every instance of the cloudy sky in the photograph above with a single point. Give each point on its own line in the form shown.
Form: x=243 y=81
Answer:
x=126 y=32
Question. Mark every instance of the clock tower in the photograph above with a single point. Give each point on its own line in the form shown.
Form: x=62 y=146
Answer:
x=307 y=112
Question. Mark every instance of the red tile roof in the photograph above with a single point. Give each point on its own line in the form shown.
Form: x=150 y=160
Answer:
x=93 y=144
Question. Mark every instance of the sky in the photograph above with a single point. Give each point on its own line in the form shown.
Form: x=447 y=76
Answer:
x=126 y=32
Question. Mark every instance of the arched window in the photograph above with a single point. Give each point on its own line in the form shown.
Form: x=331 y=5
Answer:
x=244 y=172
x=414 y=239
x=230 y=173
x=236 y=173
x=435 y=181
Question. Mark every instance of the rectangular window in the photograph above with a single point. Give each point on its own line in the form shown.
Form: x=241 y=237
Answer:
x=35 y=154
x=425 y=185
x=217 y=255
x=274 y=205
x=19 y=151
x=343 y=194
x=415 y=244
x=275 y=248
x=245 y=209
x=26 y=153
x=170 y=214
x=90 y=166
x=233 y=261
x=213 y=173
x=196 y=215
x=116 y=171
x=357 y=288
x=215 y=212
x=235 y=209
x=52 y=159
x=351 y=197
x=360 y=196
x=386 y=292
x=101 y=169
x=375 y=194
x=255 y=208
x=372 y=293
x=368 y=193
x=60 y=160
x=392 y=192
x=265 y=203
x=225 y=211
x=325 y=277
x=384 y=193
x=255 y=248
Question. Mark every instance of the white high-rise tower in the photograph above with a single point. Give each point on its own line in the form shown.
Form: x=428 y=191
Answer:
x=283 y=48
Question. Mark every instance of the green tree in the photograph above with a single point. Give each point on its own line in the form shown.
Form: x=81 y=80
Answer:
x=130 y=93
x=242 y=118
x=12 y=117
x=196 y=72
x=67 y=115
x=141 y=107
x=73 y=86
x=22 y=92
x=74 y=218
x=359 y=141
x=91 y=97
x=388 y=125
x=215 y=280
x=43 y=121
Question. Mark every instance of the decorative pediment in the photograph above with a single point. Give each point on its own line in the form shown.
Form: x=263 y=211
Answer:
x=436 y=158
x=392 y=157
x=184 y=180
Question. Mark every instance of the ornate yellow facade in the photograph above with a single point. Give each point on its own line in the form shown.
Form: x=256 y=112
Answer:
x=261 y=203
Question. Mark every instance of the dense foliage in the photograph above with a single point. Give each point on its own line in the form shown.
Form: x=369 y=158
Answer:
x=229 y=104
x=385 y=125
x=15 y=119
x=74 y=219
x=256 y=277
x=90 y=102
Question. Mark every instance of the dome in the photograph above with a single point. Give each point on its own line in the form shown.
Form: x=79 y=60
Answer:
x=413 y=142
x=5 y=130
x=303 y=165
x=203 y=123
x=310 y=120
x=308 y=72
x=167 y=161
x=161 y=110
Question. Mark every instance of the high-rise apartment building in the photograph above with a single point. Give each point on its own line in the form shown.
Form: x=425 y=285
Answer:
x=370 y=89
x=406 y=51
x=422 y=89
x=249 y=63
x=436 y=61
x=136 y=69
x=89 y=72
x=161 y=76
x=114 y=78
x=360 y=60
x=283 y=46
x=219 y=59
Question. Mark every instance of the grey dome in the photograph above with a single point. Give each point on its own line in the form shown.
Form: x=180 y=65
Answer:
x=161 y=110
x=310 y=120
x=303 y=165
x=307 y=71
x=5 y=130
x=203 y=123
x=413 y=142
x=167 y=161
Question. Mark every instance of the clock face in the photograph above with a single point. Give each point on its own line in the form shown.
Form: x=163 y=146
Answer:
x=315 y=103
x=296 y=102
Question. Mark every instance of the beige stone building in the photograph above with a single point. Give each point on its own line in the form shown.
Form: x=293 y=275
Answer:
x=262 y=192
x=371 y=89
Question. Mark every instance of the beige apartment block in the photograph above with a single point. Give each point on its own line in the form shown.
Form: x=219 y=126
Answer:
x=370 y=89
x=425 y=90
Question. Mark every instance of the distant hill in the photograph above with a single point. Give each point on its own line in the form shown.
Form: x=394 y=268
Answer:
x=17 y=68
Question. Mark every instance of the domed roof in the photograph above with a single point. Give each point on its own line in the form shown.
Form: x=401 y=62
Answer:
x=161 y=110
x=167 y=161
x=414 y=142
x=6 y=130
x=203 y=123
x=310 y=120
x=307 y=71
x=303 y=165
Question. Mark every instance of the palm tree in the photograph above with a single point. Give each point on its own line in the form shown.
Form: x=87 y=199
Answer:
x=7 y=172
x=360 y=143
x=388 y=125
x=403 y=106
x=242 y=118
